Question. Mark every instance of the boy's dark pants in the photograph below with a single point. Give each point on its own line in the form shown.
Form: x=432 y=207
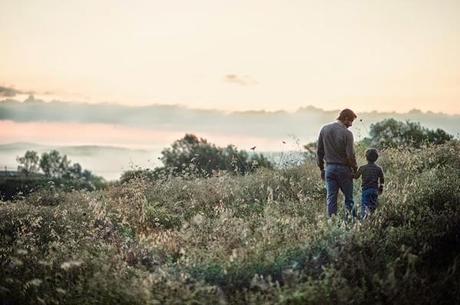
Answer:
x=369 y=201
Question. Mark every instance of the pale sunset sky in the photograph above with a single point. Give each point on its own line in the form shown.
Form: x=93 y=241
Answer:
x=392 y=55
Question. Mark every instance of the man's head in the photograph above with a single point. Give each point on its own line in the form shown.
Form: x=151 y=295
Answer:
x=372 y=155
x=347 y=116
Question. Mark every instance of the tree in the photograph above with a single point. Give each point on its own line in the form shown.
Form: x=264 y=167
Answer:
x=438 y=136
x=59 y=169
x=51 y=164
x=55 y=165
x=193 y=155
x=75 y=171
x=29 y=163
x=64 y=166
x=393 y=133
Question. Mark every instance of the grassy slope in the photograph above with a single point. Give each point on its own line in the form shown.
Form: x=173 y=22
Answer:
x=257 y=239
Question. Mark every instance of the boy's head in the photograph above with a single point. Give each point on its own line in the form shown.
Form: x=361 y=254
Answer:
x=372 y=155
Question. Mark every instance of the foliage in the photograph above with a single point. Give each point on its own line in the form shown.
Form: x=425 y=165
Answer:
x=53 y=164
x=56 y=166
x=29 y=163
x=57 y=172
x=261 y=238
x=393 y=133
x=193 y=155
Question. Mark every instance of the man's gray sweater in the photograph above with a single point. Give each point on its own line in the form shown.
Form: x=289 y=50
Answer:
x=335 y=146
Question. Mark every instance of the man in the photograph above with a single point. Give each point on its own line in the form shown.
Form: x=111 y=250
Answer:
x=335 y=147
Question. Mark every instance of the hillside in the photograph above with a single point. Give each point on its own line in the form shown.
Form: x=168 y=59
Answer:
x=256 y=239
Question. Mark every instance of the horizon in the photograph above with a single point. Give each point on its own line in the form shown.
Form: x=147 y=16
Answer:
x=76 y=123
x=26 y=97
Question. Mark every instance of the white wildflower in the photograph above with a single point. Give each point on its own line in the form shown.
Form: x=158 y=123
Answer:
x=60 y=290
x=34 y=282
x=70 y=264
x=197 y=219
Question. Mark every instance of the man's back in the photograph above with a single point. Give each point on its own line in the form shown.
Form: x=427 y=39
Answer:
x=335 y=145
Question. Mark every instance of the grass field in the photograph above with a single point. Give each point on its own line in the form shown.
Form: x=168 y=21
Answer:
x=256 y=239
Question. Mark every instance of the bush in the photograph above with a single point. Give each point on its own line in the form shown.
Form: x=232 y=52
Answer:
x=393 y=133
x=193 y=156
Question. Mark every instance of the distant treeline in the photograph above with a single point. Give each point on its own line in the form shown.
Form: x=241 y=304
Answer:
x=50 y=169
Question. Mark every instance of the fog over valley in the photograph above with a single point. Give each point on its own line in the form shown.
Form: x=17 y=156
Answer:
x=111 y=138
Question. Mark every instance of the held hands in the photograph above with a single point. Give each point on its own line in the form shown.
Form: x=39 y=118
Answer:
x=323 y=175
x=381 y=189
x=354 y=173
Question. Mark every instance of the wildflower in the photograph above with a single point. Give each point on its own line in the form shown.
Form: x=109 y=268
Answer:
x=197 y=219
x=44 y=263
x=15 y=262
x=34 y=282
x=21 y=252
x=70 y=264
x=234 y=255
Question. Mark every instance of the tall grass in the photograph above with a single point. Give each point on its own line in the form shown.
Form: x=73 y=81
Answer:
x=256 y=239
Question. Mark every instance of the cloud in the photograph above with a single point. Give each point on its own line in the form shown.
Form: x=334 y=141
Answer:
x=278 y=125
x=8 y=92
x=242 y=80
x=12 y=92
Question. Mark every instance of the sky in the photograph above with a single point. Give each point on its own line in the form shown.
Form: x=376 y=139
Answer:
x=393 y=55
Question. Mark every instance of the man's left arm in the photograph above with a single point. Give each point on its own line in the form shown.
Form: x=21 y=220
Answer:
x=350 y=150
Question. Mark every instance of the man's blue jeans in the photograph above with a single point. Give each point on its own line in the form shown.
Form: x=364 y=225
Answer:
x=339 y=177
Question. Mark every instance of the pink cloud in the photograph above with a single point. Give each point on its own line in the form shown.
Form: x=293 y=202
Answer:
x=116 y=135
x=83 y=134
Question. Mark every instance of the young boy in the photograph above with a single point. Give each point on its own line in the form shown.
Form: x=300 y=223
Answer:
x=372 y=183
